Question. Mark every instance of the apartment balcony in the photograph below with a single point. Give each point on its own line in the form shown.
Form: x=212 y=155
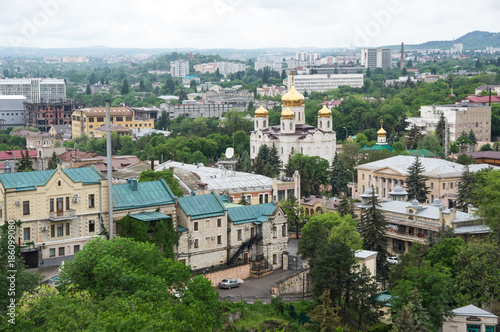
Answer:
x=405 y=236
x=63 y=215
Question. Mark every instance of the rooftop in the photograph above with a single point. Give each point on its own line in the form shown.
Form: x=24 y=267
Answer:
x=16 y=154
x=427 y=211
x=251 y=213
x=202 y=206
x=132 y=195
x=101 y=111
x=472 y=310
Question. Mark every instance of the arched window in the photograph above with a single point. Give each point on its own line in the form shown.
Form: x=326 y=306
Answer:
x=253 y=149
x=264 y=123
x=281 y=150
x=282 y=126
x=321 y=124
x=291 y=126
x=328 y=124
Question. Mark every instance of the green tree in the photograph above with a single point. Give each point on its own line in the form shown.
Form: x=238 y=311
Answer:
x=313 y=172
x=464 y=159
x=25 y=163
x=414 y=136
x=346 y=207
x=487 y=196
x=245 y=165
x=125 y=87
x=294 y=213
x=52 y=164
x=412 y=317
x=274 y=162
x=88 y=91
x=472 y=137
x=243 y=199
x=325 y=315
x=441 y=129
x=364 y=291
x=486 y=147
x=416 y=182
x=465 y=192
x=338 y=177
x=167 y=175
x=261 y=159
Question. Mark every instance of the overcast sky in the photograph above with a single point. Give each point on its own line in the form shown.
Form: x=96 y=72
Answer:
x=240 y=24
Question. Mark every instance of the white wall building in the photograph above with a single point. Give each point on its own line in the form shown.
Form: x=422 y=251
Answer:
x=179 y=68
x=325 y=82
x=36 y=90
x=376 y=58
x=12 y=110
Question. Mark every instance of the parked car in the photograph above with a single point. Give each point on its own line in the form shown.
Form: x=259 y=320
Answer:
x=392 y=260
x=229 y=283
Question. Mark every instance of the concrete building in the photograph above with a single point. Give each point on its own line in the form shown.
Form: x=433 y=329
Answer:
x=471 y=319
x=36 y=140
x=60 y=210
x=443 y=177
x=271 y=91
x=494 y=88
x=35 y=90
x=179 y=68
x=376 y=58
x=293 y=135
x=188 y=79
x=61 y=131
x=88 y=120
x=43 y=115
x=10 y=159
x=12 y=110
x=223 y=67
x=324 y=82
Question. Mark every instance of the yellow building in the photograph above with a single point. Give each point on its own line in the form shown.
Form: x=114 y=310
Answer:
x=88 y=120
x=60 y=210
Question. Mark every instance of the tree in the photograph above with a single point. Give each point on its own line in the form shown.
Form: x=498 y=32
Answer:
x=245 y=165
x=243 y=199
x=274 y=162
x=364 y=291
x=346 y=207
x=325 y=315
x=167 y=175
x=441 y=129
x=464 y=159
x=487 y=196
x=373 y=231
x=416 y=182
x=338 y=177
x=465 y=194
x=472 y=137
x=52 y=164
x=25 y=163
x=294 y=213
x=261 y=159
x=313 y=172
x=125 y=87
x=486 y=147
x=88 y=91
x=414 y=136
x=412 y=317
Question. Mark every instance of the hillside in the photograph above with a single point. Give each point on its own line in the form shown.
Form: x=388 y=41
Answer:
x=475 y=40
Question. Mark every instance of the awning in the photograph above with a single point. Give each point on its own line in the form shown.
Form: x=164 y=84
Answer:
x=181 y=229
x=150 y=216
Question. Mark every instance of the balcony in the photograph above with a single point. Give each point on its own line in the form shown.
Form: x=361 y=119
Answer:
x=63 y=215
x=405 y=236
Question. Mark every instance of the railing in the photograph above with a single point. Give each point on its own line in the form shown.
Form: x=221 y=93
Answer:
x=243 y=247
x=70 y=214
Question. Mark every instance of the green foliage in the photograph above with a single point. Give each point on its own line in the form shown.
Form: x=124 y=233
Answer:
x=267 y=161
x=25 y=164
x=488 y=199
x=52 y=164
x=346 y=207
x=465 y=194
x=464 y=159
x=325 y=316
x=313 y=172
x=416 y=182
x=167 y=175
x=294 y=213
x=412 y=317
x=339 y=177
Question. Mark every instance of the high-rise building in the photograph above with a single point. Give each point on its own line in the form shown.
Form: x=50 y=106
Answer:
x=12 y=110
x=35 y=90
x=179 y=68
x=325 y=82
x=376 y=58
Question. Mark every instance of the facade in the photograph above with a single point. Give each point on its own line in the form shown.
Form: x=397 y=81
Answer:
x=471 y=319
x=293 y=135
x=44 y=115
x=188 y=79
x=36 y=90
x=88 y=120
x=324 y=82
x=459 y=117
x=11 y=159
x=443 y=176
x=61 y=131
x=179 y=68
x=271 y=91
x=36 y=140
x=484 y=157
x=119 y=130
x=12 y=110
x=60 y=210
x=376 y=58
x=223 y=67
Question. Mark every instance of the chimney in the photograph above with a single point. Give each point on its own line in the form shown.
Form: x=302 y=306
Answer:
x=152 y=163
x=402 y=62
x=133 y=184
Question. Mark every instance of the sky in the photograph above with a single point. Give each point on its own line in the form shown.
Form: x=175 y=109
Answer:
x=206 y=24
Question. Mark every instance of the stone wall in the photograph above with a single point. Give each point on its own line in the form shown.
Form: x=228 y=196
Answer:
x=295 y=284
x=237 y=272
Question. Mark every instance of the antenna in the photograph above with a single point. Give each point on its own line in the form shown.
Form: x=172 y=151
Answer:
x=229 y=153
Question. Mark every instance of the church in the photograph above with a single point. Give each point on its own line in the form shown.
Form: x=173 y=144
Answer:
x=293 y=135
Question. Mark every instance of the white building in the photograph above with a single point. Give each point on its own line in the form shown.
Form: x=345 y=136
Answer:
x=179 y=68
x=263 y=64
x=293 y=135
x=36 y=90
x=12 y=110
x=376 y=58
x=459 y=117
x=471 y=319
x=322 y=82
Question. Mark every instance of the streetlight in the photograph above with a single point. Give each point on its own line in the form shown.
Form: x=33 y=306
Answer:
x=346 y=135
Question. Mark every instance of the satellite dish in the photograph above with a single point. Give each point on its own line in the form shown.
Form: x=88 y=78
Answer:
x=229 y=153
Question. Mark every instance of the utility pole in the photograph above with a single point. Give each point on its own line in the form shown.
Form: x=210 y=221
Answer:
x=110 y=168
x=446 y=138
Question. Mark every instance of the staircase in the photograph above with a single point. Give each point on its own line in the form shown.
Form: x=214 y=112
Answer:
x=243 y=246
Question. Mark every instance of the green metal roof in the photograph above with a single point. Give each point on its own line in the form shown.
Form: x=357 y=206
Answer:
x=422 y=153
x=385 y=298
x=151 y=193
x=251 y=213
x=202 y=206
x=377 y=147
x=87 y=175
x=150 y=216
x=181 y=229
x=26 y=180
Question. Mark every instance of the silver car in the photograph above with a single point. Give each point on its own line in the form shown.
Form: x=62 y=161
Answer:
x=229 y=283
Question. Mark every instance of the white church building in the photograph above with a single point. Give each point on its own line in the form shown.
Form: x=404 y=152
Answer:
x=293 y=135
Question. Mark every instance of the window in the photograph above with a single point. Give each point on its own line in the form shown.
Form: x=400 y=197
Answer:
x=444 y=185
x=283 y=231
x=207 y=224
x=52 y=252
x=52 y=231
x=261 y=199
x=195 y=226
x=490 y=329
x=219 y=222
x=67 y=229
x=26 y=234
x=91 y=119
x=239 y=234
x=59 y=230
x=196 y=243
x=451 y=185
x=275 y=235
x=119 y=118
x=219 y=239
x=91 y=201
x=473 y=328
x=0 y=212
x=51 y=205
x=252 y=231
x=266 y=198
x=275 y=259
x=100 y=119
x=249 y=199
x=432 y=185
x=26 y=208
x=67 y=203
x=76 y=248
x=207 y=242
x=363 y=177
x=61 y=251
x=91 y=226
x=129 y=118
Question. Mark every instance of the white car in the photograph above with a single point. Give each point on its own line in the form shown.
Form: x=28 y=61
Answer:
x=392 y=260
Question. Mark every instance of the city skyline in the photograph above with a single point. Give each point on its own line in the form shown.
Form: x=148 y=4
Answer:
x=238 y=24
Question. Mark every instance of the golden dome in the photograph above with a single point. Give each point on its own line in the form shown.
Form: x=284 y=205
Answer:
x=261 y=111
x=381 y=132
x=287 y=114
x=325 y=112
x=292 y=98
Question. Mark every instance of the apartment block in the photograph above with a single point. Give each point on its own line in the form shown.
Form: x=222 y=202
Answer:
x=179 y=68
x=35 y=90
x=322 y=83
x=376 y=58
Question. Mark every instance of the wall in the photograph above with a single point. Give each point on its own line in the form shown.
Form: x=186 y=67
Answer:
x=237 y=272
x=296 y=284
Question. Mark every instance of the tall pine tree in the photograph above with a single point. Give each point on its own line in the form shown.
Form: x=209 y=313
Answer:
x=415 y=182
x=261 y=159
x=441 y=130
x=25 y=164
x=346 y=207
x=274 y=161
x=338 y=177
x=245 y=165
x=52 y=164
x=465 y=189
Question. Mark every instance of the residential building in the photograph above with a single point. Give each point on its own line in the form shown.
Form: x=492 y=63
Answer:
x=493 y=88
x=481 y=100
x=12 y=110
x=88 y=120
x=293 y=135
x=179 y=68
x=59 y=210
x=75 y=59
x=271 y=91
x=324 y=82
x=376 y=58
x=76 y=159
x=45 y=115
x=36 y=140
x=269 y=64
x=11 y=159
x=482 y=157
x=61 y=132
x=443 y=176
x=36 y=90
x=223 y=67
x=190 y=78
x=459 y=117
x=471 y=319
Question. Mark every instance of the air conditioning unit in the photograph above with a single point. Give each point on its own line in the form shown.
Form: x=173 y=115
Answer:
x=76 y=200
x=77 y=195
x=18 y=203
x=45 y=228
x=247 y=227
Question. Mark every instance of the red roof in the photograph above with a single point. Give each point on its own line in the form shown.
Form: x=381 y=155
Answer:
x=481 y=99
x=16 y=154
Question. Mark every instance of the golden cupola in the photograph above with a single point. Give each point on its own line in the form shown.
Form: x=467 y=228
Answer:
x=288 y=114
x=325 y=112
x=292 y=97
x=261 y=112
x=381 y=132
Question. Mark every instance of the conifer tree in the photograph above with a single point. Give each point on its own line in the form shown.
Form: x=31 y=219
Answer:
x=338 y=177
x=245 y=165
x=261 y=159
x=125 y=87
x=52 y=164
x=441 y=130
x=415 y=182
x=243 y=199
x=346 y=207
x=373 y=231
x=25 y=164
x=465 y=192
x=289 y=170
x=472 y=137
x=274 y=161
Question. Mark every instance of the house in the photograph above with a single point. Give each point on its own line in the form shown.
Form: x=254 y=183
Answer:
x=471 y=319
x=483 y=157
x=61 y=132
x=119 y=130
x=60 y=210
x=11 y=159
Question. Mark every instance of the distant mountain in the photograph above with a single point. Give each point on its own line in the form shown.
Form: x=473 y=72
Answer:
x=475 y=40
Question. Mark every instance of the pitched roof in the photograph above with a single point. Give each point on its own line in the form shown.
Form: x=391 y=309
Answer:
x=150 y=216
x=202 y=206
x=151 y=193
x=16 y=154
x=101 y=111
x=378 y=147
x=422 y=153
x=472 y=310
x=251 y=213
x=87 y=175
